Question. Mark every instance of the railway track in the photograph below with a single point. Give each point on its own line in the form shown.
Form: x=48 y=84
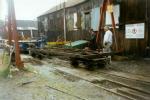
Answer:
x=125 y=81
x=133 y=88
x=136 y=77
x=115 y=86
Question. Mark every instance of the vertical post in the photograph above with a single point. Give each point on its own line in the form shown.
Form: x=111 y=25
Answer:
x=9 y=23
x=114 y=26
x=147 y=23
x=31 y=31
x=22 y=35
x=18 y=61
x=65 y=38
x=99 y=34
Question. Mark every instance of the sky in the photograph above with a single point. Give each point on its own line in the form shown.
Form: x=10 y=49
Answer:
x=30 y=9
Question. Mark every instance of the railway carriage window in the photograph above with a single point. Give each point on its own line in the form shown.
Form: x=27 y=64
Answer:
x=45 y=23
x=87 y=20
x=95 y=14
x=75 y=21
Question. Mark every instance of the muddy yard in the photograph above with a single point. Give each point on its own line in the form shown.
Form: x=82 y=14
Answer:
x=43 y=82
x=55 y=79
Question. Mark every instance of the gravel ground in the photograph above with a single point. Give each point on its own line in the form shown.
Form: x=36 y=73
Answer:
x=139 y=67
x=41 y=81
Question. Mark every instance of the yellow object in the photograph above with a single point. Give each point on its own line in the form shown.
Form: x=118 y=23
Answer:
x=110 y=8
x=57 y=43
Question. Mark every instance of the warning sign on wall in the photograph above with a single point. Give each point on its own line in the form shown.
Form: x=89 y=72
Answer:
x=135 y=31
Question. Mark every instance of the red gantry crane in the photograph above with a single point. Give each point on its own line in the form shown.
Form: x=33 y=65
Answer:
x=107 y=5
x=13 y=34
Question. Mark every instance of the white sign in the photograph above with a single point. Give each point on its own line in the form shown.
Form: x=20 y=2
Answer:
x=135 y=31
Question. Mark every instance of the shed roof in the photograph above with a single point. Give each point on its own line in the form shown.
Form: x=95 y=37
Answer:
x=26 y=25
x=69 y=3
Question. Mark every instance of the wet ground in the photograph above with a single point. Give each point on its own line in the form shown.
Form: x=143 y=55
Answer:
x=41 y=81
x=54 y=79
x=140 y=67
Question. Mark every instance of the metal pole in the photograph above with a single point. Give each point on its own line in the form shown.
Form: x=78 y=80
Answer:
x=99 y=34
x=113 y=25
x=18 y=61
x=9 y=23
x=31 y=31
x=22 y=35
x=147 y=23
x=65 y=37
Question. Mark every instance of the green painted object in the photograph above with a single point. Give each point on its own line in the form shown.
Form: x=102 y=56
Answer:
x=80 y=44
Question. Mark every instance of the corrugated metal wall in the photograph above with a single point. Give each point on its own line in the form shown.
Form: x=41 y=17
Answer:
x=148 y=20
x=131 y=11
x=55 y=21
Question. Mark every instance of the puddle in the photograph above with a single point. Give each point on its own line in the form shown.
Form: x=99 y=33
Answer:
x=107 y=84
